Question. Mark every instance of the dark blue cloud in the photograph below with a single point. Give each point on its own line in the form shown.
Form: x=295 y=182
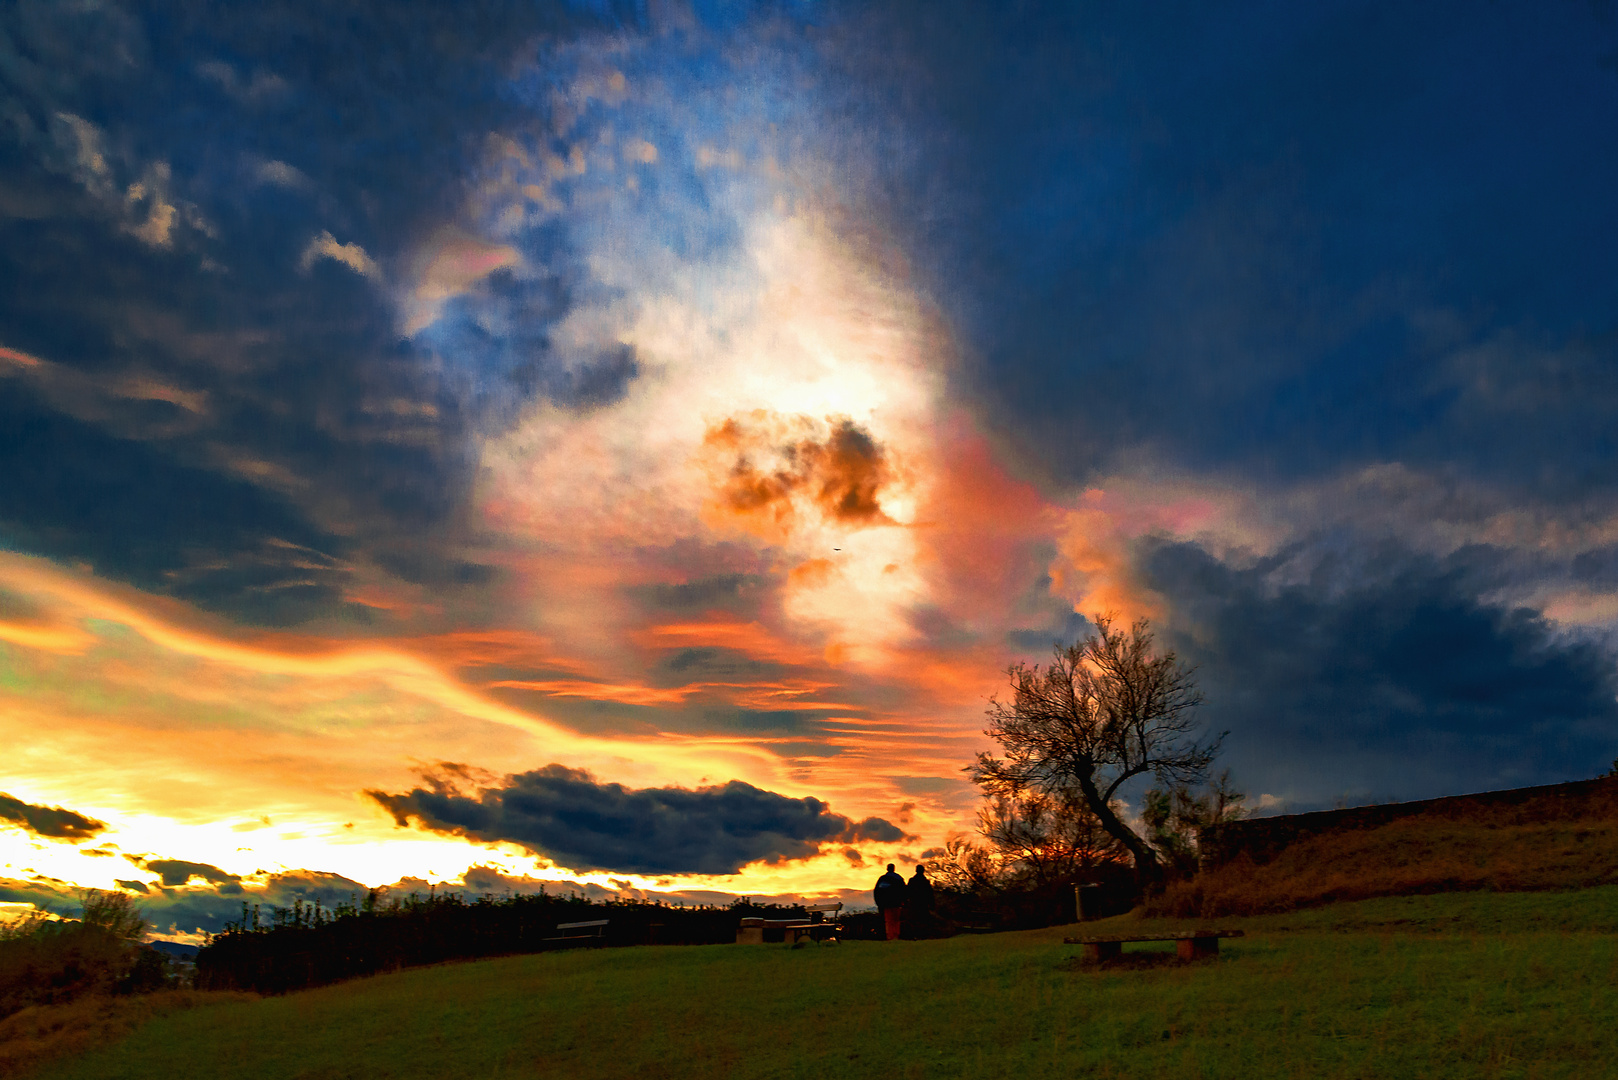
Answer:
x=208 y=908
x=162 y=176
x=311 y=436
x=1382 y=675
x=738 y=593
x=179 y=872
x=570 y=817
x=1269 y=238
x=52 y=822
x=1272 y=239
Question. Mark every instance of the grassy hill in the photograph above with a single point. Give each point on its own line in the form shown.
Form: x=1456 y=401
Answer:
x=1468 y=985
x=1453 y=845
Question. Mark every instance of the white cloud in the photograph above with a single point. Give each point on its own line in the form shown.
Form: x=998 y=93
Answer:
x=325 y=246
x=148 y=195
x=83 y=140
x=281 y=174
x=262 y=87
x=148 y=211
x=450 y=264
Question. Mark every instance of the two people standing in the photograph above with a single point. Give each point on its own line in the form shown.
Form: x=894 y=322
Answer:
x=899 y=902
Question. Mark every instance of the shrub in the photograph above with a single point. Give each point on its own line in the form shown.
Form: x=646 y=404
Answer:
x=45 y=961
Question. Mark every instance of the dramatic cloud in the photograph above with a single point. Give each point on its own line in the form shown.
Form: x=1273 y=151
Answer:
x=179 y=872
x=52 y=822
x=567 y=815
x=1381 y=674
x=766 y=471
x=679 y=391
x=1251 y=265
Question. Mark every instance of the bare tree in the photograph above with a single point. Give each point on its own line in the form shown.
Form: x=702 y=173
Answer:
x=1106 y=710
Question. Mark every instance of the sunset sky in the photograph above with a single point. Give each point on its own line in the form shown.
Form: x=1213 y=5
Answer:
x=625 y=444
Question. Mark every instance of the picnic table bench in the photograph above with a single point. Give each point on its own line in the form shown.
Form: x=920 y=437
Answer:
x=815 y=927
x=590 y=932
x=1193 y=944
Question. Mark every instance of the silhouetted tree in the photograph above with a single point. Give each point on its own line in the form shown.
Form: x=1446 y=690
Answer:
x=1106 y=710
x=113 y=914
x=1030 y=841
x=1175 y=816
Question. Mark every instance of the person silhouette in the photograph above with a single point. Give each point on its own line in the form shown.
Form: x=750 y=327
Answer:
x=890 y=900
x=918 y=909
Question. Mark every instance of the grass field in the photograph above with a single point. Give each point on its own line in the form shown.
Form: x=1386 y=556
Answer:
x=1465 y=985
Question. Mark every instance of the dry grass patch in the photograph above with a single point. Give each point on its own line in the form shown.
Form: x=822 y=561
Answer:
x=1407 y=857
x=39 y=1034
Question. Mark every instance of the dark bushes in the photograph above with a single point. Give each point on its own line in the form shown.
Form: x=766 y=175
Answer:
x=44 y=962
x=308 y=945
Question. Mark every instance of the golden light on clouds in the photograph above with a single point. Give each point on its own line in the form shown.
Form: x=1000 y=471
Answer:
x=782 y=555
x=789 y=420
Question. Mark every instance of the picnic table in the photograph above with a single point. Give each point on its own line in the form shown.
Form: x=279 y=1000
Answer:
x=1192 y=944
x=814 y=927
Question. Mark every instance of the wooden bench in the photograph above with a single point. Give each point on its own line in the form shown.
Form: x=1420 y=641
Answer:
x=592 y=932
x=1192 y=944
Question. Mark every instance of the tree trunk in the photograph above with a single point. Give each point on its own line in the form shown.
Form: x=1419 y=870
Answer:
x=1146 y=864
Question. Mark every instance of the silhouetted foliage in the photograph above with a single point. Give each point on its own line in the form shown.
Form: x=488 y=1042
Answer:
x=1106 y=710
x=1175 y=817
x=46 y=961
x=310 y=945
x=1034 y=849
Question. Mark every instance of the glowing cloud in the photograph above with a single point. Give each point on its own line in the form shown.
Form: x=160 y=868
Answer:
x=351 y=255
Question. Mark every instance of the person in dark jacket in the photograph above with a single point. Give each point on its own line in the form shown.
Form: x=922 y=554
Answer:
x=918 y=911
x=890 y=900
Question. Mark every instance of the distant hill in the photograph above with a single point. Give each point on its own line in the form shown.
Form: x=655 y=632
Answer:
x=178 y=950
x=1561 y=836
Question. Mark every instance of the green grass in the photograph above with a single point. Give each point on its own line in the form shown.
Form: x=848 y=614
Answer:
x=1469 y=985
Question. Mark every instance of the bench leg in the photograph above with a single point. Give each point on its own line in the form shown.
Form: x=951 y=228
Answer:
x=1103 y=950
x=1197 y=948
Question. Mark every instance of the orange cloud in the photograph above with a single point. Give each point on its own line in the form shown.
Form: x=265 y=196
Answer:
x=751 y=639
x=69 y=640
x=1095 y=567
x=979 y=529
x=775 y=696
x=624 y=693
x=20 y=358
x=323 y=668
x=478 y=648
x=774 y=468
